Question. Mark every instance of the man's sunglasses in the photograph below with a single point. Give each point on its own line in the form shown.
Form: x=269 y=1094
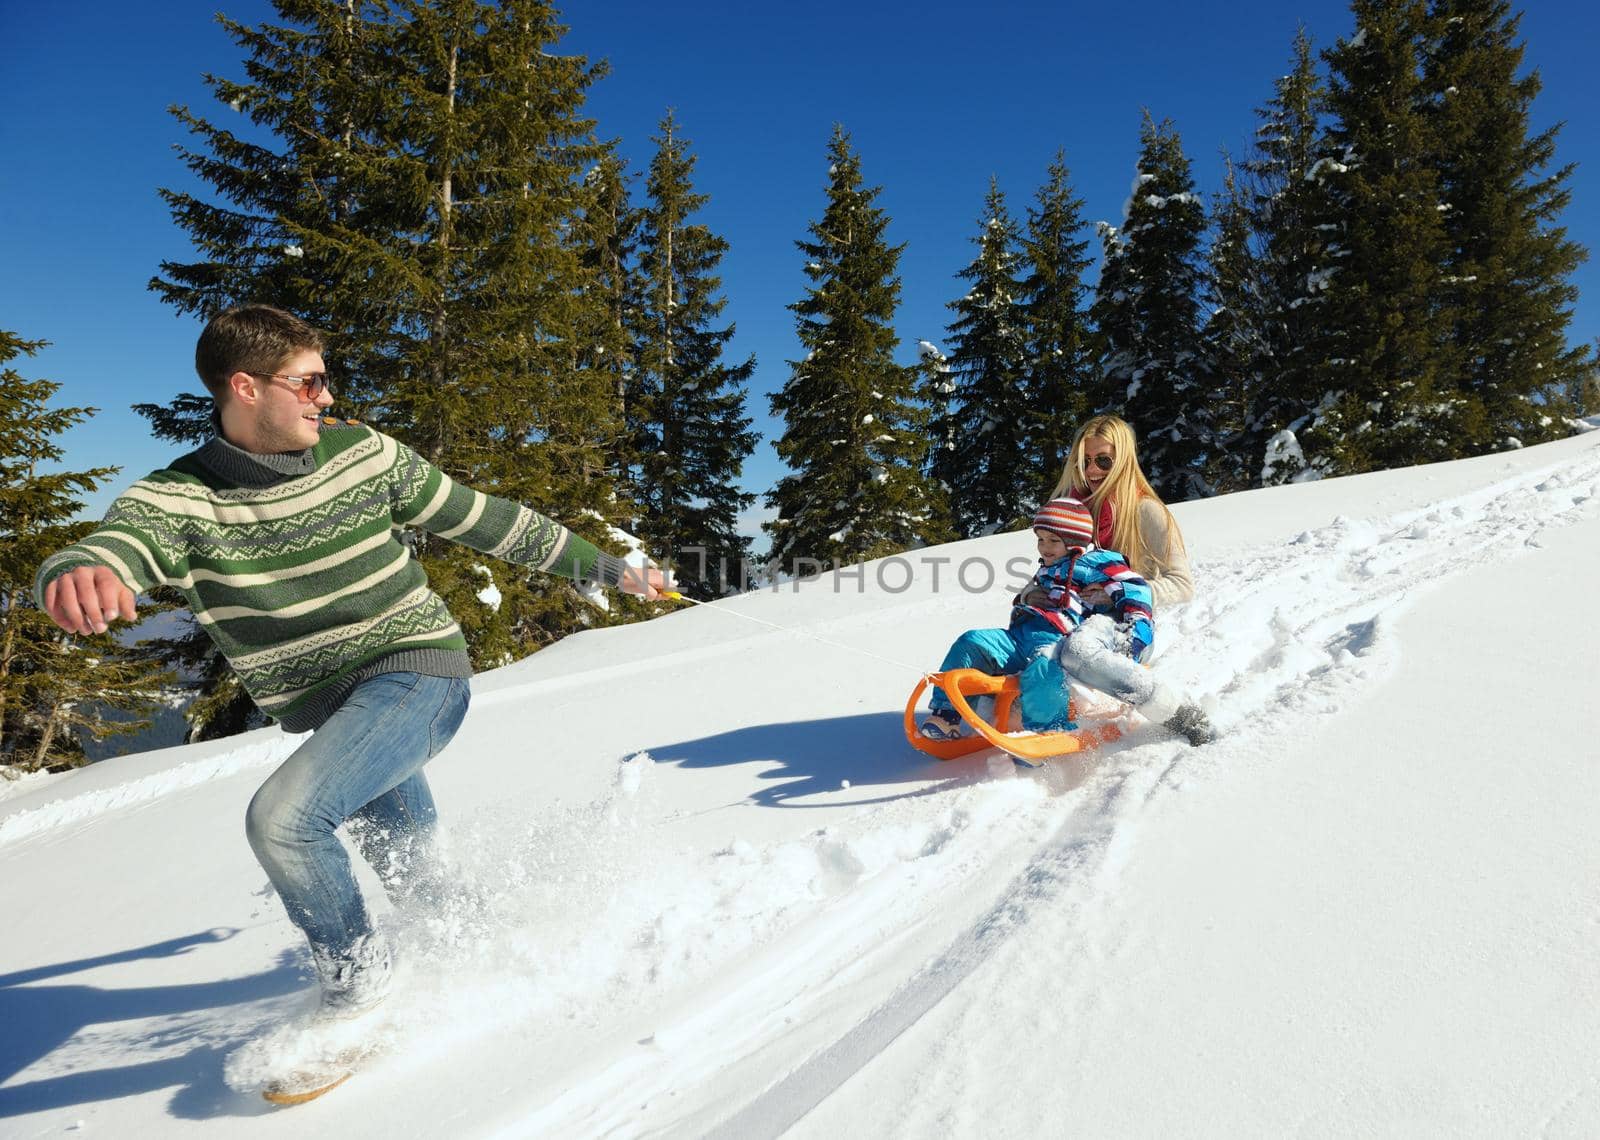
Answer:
x=311 y=385
x=1104 y=462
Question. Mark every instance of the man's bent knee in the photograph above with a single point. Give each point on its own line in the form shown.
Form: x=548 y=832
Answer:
x=270 y=820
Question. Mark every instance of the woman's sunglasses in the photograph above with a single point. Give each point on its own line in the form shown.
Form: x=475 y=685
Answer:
x=1104 y=462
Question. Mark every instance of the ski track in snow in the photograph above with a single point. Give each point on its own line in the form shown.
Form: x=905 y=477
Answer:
x=1079 y=850
x=595 y=925
x=1255 y=650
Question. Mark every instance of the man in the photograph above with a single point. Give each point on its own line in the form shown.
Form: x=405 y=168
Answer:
x=281 y=533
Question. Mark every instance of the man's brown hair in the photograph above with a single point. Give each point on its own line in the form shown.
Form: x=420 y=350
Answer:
x=250 y=338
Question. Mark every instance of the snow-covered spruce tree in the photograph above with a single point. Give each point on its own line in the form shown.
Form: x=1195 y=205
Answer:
x=1381 y=348
x=608 y=243
x=425 y=202
x=1147 y=310
x=992 y=474
x=1060 y=345
x=1508 y=261
x=855 y=439
x=1235 y=344
x=53 y=686
x=1584 y=393
x=695 y=433
x=297 y=220
x=1290 y=242
x=489 y=154
x=936 y=389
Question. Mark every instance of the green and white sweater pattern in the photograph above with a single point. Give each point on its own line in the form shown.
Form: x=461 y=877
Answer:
x=292 y=564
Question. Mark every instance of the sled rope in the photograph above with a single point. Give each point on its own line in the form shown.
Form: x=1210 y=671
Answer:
x=677 y=597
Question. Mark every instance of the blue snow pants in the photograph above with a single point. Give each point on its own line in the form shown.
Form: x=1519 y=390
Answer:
x=1026 y=649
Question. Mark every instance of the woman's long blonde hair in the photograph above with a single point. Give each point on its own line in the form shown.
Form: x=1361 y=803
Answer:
x=1124 y=485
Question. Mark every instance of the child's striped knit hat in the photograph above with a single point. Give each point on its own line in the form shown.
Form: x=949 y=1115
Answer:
x=1068 y=518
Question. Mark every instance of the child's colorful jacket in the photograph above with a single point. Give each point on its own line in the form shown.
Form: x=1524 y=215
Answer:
x=1052 y=594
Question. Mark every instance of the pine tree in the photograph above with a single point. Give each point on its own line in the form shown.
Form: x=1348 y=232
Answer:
x=1234 y=335
x=302 y=216
x=425 y=202
x=1290 y=220
x=1381 y=345
x=609 y=242
x=936 y=392
x=696 y=434
x=504 y=392
x=992 y=474
x=1061 y=350
x=53 y=686
x=1584 y=392
x=1147 y=309
x=186 y=420
x=854 y=436
x=1508 y=267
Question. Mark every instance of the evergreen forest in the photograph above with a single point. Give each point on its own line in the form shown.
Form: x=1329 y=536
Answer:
x=1384 y=280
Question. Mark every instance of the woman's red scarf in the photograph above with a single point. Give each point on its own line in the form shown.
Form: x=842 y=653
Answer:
x=1102 y=522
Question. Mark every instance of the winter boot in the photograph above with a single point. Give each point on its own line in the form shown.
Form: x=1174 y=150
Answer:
x=942 y=724
x=1190 y=723
x=355 y=982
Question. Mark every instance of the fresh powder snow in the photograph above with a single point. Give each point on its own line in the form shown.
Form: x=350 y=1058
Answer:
x=705 y=888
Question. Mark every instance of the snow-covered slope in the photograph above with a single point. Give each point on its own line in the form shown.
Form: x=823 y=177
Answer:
x=707 y=889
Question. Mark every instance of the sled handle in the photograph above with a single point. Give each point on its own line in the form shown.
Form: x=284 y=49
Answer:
x=958 y=684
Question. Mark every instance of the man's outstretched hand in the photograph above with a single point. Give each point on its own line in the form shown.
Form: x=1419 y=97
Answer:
x=644 y=582
x=87 y=599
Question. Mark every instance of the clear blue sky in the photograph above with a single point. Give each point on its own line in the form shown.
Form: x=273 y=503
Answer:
x=938 y=97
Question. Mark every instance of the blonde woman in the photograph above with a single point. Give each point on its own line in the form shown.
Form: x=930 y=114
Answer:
x=1103 y=470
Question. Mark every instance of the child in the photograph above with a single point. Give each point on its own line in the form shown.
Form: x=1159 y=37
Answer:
x=1053 y=638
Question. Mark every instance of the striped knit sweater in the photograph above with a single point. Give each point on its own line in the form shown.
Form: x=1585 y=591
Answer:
x=291 y=563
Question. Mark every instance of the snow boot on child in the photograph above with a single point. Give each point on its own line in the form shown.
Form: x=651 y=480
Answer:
x=942 y=724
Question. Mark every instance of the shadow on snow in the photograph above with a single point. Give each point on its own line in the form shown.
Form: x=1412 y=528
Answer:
x=813 y=757
x=39 y=1019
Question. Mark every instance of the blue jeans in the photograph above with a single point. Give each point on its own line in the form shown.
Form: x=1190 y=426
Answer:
x=1026 y=649
x=364 y=765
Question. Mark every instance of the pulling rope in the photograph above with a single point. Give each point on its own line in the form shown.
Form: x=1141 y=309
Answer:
x=675 y=596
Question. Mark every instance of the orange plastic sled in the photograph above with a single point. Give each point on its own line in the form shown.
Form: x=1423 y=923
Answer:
x=1031 y=748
